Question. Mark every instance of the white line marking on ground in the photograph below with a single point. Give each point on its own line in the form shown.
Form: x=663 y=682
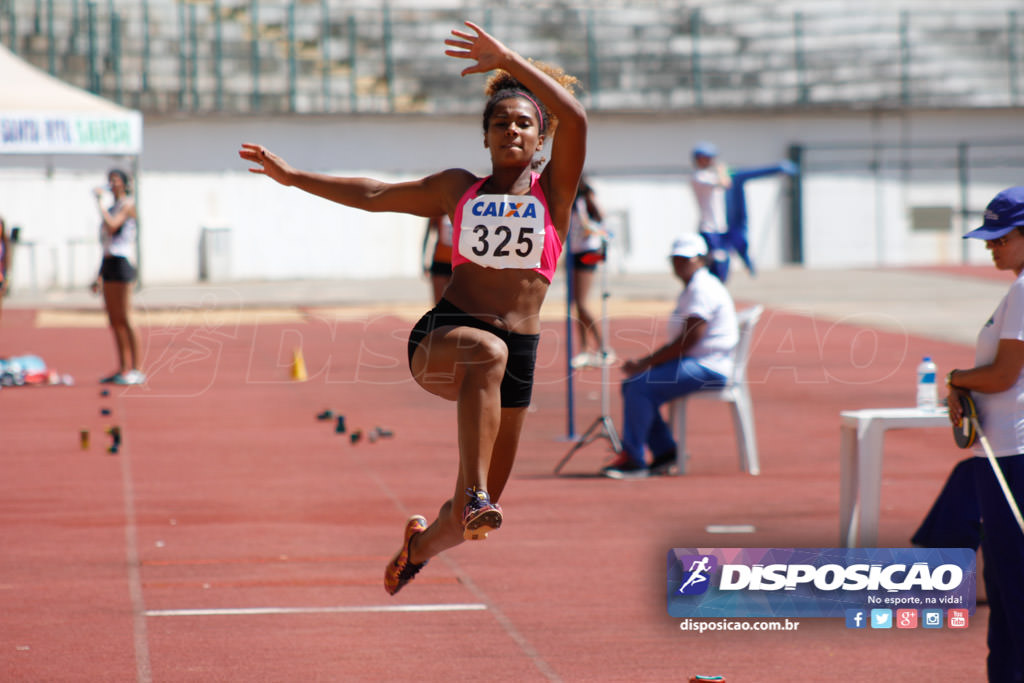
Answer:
x=249 y=611
x=143 y=670
x=499 y=615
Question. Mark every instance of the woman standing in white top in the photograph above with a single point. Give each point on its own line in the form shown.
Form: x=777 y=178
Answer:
x=996 y=383
x=117 y=236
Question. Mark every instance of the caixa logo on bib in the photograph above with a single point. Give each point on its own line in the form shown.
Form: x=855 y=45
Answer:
x=816 y=582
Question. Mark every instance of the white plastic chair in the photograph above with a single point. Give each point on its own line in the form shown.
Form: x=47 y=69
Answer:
x=735 y=392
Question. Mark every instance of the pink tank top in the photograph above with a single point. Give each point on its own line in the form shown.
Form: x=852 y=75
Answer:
x=506 y=231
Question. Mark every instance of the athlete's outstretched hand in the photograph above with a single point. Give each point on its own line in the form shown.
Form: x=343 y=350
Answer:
x=484 y=48
x=269 y=163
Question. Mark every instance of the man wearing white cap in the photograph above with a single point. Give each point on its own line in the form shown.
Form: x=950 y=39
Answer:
x=702 y=334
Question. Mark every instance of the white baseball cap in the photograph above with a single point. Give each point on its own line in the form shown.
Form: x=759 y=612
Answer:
x=689 y=246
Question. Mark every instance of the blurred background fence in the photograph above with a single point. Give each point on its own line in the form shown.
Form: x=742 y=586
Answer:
x=335 y=56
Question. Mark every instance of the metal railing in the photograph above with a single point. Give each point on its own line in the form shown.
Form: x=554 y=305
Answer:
x=965 y=170
x=328 y=56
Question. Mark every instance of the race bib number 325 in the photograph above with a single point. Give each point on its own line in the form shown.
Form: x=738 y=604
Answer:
x=503 y=231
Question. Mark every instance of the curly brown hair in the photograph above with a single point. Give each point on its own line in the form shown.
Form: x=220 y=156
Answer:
x=502 y=85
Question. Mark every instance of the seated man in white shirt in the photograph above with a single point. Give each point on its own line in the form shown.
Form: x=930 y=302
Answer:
x=702 y=334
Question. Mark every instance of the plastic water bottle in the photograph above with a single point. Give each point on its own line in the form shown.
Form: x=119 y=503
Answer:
x=927 y=391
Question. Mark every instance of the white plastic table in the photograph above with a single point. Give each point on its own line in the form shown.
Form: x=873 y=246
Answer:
x=861 y=435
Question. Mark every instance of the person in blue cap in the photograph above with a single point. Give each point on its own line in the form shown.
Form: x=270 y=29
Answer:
x=710 y=179
x=721 y=200
x=996 y=382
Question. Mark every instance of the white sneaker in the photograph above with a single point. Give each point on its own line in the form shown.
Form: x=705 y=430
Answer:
x=584 y=359
x=131 y=377
x=609 y=358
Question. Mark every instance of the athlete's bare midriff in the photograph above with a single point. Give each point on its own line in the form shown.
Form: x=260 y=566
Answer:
x=509 y=299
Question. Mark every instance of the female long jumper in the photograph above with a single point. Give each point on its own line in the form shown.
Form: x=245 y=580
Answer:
x=477 y=347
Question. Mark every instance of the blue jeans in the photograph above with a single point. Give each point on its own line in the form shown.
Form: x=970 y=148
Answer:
x=643 y=394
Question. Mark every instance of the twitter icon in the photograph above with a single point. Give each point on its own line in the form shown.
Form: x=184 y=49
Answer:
x=881 y=618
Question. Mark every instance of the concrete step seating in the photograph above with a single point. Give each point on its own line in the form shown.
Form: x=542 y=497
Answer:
x=322 y=56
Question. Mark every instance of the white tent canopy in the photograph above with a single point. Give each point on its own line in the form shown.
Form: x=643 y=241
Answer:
x=40 y=114
x=43 y=120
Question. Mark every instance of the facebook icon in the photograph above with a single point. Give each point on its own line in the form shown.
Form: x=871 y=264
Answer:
x=856 y=618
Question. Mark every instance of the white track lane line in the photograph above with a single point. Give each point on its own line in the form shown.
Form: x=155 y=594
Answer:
x=249 y=611
x=499 y=615
x=143 y=671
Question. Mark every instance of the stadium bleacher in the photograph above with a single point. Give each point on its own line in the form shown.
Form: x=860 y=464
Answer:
x=331 y=56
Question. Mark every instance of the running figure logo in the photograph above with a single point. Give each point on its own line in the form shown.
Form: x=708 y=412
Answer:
x=698 y=573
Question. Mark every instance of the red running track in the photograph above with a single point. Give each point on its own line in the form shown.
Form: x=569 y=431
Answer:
x=235 y=537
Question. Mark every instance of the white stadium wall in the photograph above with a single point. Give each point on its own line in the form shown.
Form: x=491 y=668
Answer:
x=191 y=178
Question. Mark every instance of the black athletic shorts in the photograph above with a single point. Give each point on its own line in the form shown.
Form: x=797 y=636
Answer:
x=587 y=260
x=117 y=269
x=517 y=385
x=443 y=268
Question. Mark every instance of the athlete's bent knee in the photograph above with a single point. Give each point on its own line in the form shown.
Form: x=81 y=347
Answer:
x=487 y=355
